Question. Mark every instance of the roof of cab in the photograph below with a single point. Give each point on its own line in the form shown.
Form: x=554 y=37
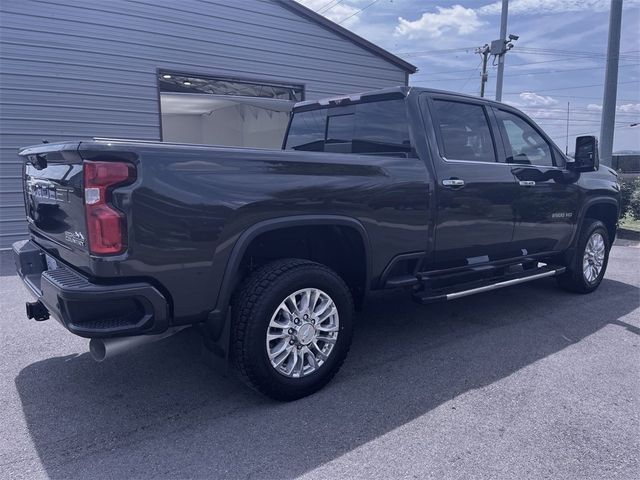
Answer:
x=384 y=93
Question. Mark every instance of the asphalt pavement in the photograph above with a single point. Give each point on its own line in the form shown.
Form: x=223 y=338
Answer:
x=524 y=382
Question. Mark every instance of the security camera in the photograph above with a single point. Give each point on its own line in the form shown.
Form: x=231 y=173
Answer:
x=513 y=37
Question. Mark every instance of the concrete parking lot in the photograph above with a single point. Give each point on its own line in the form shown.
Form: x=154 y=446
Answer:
x=526 y=382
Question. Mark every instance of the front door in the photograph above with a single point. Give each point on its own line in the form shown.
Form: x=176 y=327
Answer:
x=545 y=207
x=474 y=191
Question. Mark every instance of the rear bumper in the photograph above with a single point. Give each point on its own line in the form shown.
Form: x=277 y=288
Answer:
x=90 y=309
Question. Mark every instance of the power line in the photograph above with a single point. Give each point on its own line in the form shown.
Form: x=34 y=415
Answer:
x=446 y=50
x=532 y=51
x=324 y=5
x=555 y=116
x=573 y=135
x=540 y=73
x=358 y=12
x=576 y=86
x=335 y=3
x=568 y=70
x=585 y=114
x=563 y=119
x=549 y=50
x=562 y=137
x=471 y=76
x=568 y=53
x=591 y=57
x=593 y=98
x=585 y=133
x=543 y=114
x=523 y=64
x=560 y=51
x=576 y=110
x=561 y=122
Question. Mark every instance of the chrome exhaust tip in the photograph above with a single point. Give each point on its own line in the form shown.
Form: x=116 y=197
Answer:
x=102 y=349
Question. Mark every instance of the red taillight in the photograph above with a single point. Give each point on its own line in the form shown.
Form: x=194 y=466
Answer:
x=106 y=226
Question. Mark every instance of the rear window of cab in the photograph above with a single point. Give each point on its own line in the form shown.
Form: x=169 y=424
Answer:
x=375 y=127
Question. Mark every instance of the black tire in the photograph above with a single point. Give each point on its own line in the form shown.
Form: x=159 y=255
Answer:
x=573 y=279
x=254 y=304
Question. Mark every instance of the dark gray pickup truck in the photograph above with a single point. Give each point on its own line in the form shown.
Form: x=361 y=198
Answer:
x=268 y=252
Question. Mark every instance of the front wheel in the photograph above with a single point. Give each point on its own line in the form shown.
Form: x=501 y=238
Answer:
x=589 y=264
x=292 y=328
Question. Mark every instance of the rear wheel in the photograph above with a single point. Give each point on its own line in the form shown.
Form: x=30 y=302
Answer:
x=292 y=328
x=589 y=264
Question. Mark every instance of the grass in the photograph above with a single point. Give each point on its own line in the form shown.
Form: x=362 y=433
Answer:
x=629 y=223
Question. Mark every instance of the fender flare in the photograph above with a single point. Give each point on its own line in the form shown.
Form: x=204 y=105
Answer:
x=582 y=213
x=218 y=320
x=590 y=202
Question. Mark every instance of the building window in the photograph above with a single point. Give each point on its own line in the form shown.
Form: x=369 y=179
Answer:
x=224 y=111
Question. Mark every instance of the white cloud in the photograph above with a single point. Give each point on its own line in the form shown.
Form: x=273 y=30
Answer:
x=462 y=20
x=629 y=108
x=626 y=108
x=456 y=19
x=535 y=105
x=532 y=99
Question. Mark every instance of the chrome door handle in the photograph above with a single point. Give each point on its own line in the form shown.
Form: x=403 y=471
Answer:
x=527 y=183
x=453 y=182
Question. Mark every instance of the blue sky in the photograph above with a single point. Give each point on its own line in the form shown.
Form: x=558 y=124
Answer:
x=559 y=57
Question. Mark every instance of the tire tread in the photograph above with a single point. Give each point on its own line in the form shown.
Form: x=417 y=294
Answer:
x=572 y=280
x=244 y=306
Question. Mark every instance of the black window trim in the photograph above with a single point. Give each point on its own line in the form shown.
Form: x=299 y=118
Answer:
x=553 y=148
x=340 y=111
x=498 y=153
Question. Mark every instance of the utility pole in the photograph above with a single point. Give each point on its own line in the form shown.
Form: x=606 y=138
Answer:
x=607 y=123
x=566 y=145
x=503 y=41
x=500 y=47
x=484 y=51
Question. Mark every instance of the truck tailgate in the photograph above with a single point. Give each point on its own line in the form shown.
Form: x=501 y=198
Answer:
x=53 y=190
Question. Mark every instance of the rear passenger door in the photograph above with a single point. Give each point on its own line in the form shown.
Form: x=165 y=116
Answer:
x=475 y=190
x=546 y=204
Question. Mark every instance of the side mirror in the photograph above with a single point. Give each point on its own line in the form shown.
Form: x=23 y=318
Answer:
x=586 y=157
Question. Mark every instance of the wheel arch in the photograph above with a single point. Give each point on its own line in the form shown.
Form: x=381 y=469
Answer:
x=605 y=209
x=232 y=271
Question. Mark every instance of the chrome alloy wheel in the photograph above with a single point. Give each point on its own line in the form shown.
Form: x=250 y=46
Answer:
x=593 y=258
x=302 y=332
